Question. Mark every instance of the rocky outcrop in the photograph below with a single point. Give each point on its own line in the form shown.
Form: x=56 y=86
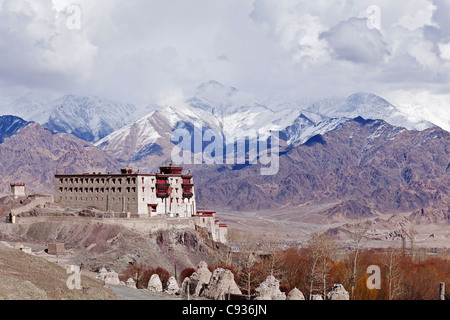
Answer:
x=295 y=294
x=172 y=286
x=338 y=293
x=195 y=284
x=109 y=277
x=155 y=284
x=185 y=289
x=270 y=290
x=221 y=283
x=130 y=283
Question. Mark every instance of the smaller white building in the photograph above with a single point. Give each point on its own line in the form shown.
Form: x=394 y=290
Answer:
x=18 y=190
x=208 y=223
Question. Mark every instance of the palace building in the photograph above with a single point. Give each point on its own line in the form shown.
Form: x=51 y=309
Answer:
x=170 y=192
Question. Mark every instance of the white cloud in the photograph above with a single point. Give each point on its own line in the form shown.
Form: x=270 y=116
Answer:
x=444 y=50
x=423 y=104
x=419 y=14
x=37 y=48
x=353 y=41
x=148 y=50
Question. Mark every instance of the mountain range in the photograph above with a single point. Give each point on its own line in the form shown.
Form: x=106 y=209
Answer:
x=88 y=118
x=146 y=142
x=219 y=106
x=368 y=166
x=359 y=150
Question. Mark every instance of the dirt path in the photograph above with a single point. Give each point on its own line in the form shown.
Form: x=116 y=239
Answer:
x=125 y=293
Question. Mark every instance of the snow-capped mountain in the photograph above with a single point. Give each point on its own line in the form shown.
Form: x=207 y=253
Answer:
x=225 y=109
x=221 y=100
x=214 y=106
x=236 y=111
x=309 y=124
x=151 y=134
x=88 y=118
x=133 y=133
x=368 y=106
x=10 y=125
x=30 y=106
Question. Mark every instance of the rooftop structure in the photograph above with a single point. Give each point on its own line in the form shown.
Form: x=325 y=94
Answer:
x=18 y=190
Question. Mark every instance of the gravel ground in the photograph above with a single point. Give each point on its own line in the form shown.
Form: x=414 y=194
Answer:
x=125 y=293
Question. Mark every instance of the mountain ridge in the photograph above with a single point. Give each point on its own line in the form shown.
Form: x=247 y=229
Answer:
x=388 y=165
x=33 y=155
x=10 y=125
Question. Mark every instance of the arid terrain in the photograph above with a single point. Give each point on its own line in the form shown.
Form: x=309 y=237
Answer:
x=90 y=242
x=24 y=276
x=295 y=226
x=94 y=242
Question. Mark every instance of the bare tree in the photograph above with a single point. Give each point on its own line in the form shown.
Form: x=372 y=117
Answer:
x=328 y=250
x=409 y=232
x=358 y=233
x=404 y=236
x=321 y=248
x=412 y=236
x=391 y=262
x=271 y=247
x=248 y=247
x=315 y=248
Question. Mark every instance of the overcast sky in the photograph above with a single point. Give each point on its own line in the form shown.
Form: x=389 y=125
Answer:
x=146 y=51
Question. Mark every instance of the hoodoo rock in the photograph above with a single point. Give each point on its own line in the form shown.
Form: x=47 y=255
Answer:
x=270 y=290
x=295 y=294
x=155 y=284
x=221 y=283
x=130 y=283
x=109 y=277
x=172 y=286
x=200 y=277
x=338 y=293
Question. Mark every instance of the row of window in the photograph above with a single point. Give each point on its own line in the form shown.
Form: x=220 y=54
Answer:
x=97 y=190
x=94 y=198
x=99 y=180
x=103 y=199
x=114 y=180
x=103 y=190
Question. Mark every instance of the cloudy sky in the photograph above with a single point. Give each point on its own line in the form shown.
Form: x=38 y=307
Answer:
x=146 y=51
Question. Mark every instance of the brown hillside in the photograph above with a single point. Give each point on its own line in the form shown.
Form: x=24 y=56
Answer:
x=386 y=168
x=34 y=155
x=26 y=277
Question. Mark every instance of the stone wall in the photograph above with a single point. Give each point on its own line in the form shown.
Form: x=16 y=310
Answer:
x=38 y=201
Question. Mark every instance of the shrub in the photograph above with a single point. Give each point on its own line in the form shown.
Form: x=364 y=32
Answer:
x=137 y=271
x=163 y=274
x=185 y=273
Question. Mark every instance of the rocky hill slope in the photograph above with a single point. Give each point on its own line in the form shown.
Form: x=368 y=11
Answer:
x=97 y=243
x=33 y=155
x=27 y=277
x=371 y=164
